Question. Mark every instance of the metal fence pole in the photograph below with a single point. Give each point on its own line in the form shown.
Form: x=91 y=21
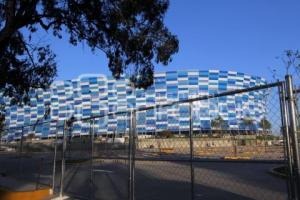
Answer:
x=129 y=155
x=293 y=132
x=286 y=135
x=1 y=138
x=21 y=140
x=54 y=163
x=191 y=151
x=21 y=152
x=63 y=161
x=92 y=161
x=132 y=135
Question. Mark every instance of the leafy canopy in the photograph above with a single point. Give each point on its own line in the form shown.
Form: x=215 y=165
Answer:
x=248 y=122
x=218 y=123
x=131 y=33
x=265 y=124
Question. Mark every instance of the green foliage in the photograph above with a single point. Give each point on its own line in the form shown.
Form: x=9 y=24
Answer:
x=265 y=124
x=69 y=122
x=166 y=134
x=131 y=33
x=247 y=122
x=267 y=137
x=23 y=68
x=218 y=123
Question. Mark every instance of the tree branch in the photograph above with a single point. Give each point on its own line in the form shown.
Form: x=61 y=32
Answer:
x=46 y=26
x=28 y=52
x=8 y=28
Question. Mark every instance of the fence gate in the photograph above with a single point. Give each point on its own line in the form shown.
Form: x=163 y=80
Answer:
x=96 y=163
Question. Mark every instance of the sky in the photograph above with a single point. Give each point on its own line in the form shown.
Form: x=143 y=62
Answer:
x=247 y=36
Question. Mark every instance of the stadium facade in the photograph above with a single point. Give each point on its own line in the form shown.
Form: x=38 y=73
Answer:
x=91 y=95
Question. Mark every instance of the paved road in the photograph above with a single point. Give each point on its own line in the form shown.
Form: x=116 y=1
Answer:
x=171 y=180
x=154 y=179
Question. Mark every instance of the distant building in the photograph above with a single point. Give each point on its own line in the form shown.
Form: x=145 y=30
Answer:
x=98 y=95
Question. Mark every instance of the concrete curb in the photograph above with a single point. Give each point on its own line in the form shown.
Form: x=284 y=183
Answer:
x=276 y=173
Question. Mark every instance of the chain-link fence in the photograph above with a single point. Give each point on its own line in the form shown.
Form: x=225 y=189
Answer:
x=26 y=161
x=228 y=157
x=230 y=145
x=297 y=100
x=96 y=161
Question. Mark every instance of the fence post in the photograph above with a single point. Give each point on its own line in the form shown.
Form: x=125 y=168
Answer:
x=293 y=132
x=21 y=152
x=21 y=140
x=92 y=123
x=191 y=151
x=63 y=161
x=54 y=163
x=132 y=135
x=286 y=135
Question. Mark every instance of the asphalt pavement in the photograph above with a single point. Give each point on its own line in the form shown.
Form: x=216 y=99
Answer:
x=153 y=179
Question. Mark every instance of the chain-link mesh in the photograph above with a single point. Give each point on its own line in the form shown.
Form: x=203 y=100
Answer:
x=96 y=160
x=231 y=158
x=224 y=147
x=297 y=101
x=26 y=161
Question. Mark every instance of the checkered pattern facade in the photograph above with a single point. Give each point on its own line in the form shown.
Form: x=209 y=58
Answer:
x=98 y=95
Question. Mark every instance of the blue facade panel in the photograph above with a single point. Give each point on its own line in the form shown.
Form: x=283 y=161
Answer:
x=99 y=95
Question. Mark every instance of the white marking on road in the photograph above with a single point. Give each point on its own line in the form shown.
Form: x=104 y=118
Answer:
x=101 y=170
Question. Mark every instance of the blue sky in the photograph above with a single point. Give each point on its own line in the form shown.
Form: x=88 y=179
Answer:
x=239 y=35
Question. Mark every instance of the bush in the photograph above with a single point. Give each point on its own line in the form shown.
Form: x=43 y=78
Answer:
x=166 y=134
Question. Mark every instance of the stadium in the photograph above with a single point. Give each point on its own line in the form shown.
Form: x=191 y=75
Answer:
x=94 y=95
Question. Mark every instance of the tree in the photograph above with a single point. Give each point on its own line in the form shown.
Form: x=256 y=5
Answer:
x=31 y=136
x=131 y=33
x=265 y=124
x=166 y=134
x=291 y=59
x=218 y=123
x=248 y=122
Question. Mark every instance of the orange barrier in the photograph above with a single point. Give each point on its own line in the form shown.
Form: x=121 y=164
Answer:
x=26 y=195
x=166 y=150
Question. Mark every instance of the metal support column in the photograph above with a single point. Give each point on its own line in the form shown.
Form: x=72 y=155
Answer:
x=21 y=140
x=54 y=163
x=92 y=125
x=293 y=133
x=132 y=137
x=287 y=139
x=21 y=152
x=63 y=160
x=191 y=151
